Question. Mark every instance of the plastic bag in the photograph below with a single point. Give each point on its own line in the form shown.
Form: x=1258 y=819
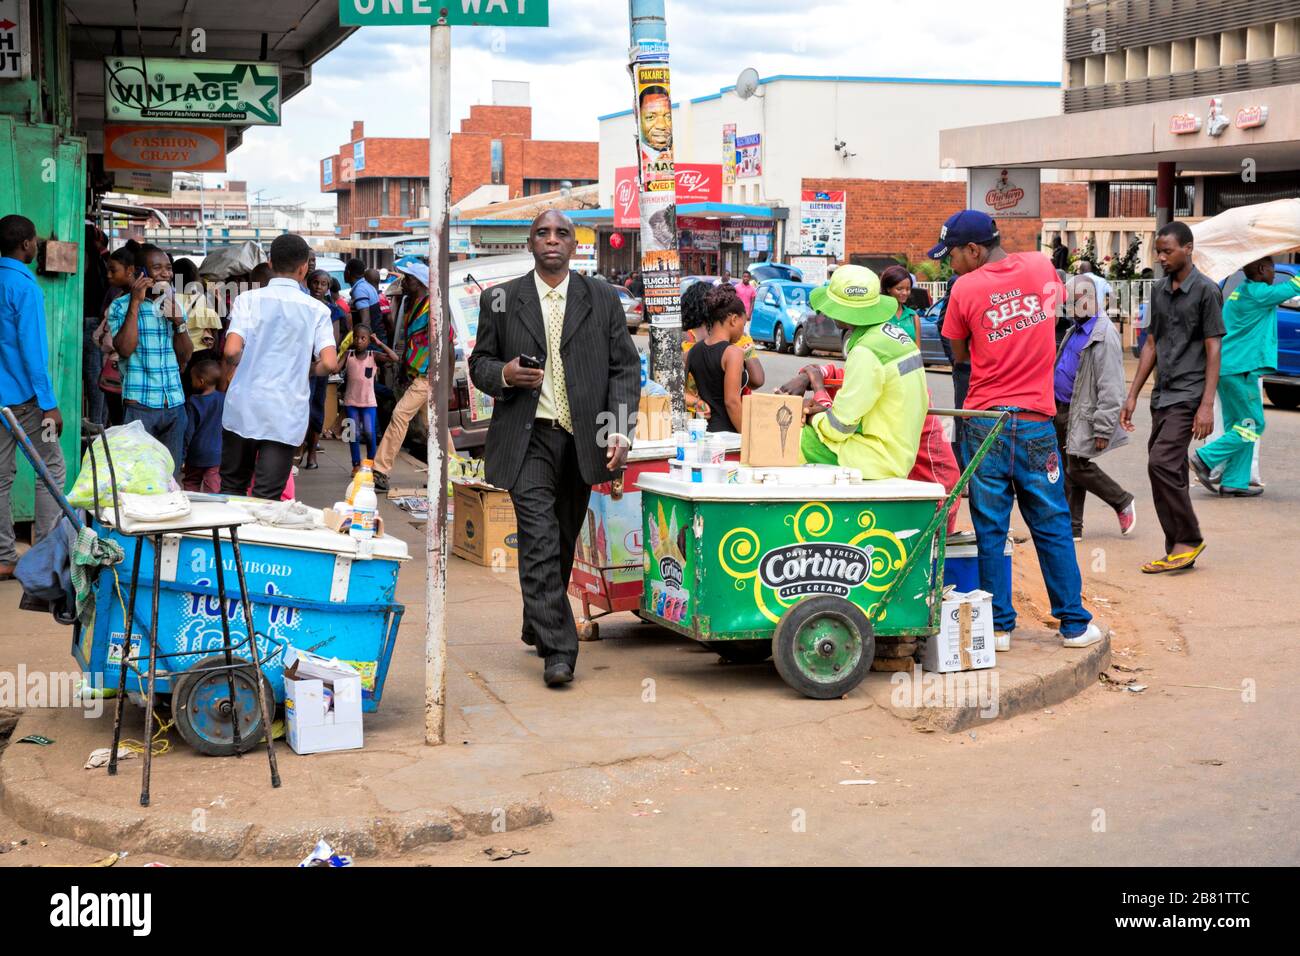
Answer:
x=142 y=464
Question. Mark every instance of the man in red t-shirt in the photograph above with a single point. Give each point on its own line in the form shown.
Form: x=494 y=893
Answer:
x=1001 y=318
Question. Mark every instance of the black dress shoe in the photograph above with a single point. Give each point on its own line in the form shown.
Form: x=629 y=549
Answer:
x=1252 y=492
x=557 y=674
x=1203 y=474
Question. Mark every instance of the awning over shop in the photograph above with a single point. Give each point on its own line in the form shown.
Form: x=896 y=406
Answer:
x=1141 y=137
x=291 y=33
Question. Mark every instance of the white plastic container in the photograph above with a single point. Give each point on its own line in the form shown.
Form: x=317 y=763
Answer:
x=696 y=429
x=364 y=509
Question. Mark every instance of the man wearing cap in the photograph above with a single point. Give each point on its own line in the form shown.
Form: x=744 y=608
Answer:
x=1001 y=317
x=874 y=423
x=415 y=368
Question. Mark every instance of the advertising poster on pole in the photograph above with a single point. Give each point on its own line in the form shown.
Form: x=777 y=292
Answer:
x=821 y=223
x=749 y=156
x=729 y=154
x=655 y=123
x=660 y=263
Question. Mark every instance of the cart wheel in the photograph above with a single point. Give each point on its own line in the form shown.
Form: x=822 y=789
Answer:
x=588 y=630
x=202 y=707
x=823 y=646
x=742 y=652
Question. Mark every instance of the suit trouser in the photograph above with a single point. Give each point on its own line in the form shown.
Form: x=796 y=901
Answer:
x=414 y=400
x=1171 y=434
x=1083 y=475
x=550 y=500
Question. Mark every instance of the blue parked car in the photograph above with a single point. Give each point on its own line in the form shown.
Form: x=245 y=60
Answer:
x=767 y=271
x=780 y=312
x=932 y=350
x=1283 y=387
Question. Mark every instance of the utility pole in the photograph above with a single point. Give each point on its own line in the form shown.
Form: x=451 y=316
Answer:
x=660 y=264
x=435 y=647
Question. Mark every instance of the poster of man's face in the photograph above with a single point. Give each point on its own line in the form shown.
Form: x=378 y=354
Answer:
x=656 y=118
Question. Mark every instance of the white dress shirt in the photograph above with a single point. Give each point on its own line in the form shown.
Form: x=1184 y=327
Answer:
x=284 y=331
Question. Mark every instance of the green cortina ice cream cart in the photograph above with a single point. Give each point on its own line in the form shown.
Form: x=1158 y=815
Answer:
x=806 y=565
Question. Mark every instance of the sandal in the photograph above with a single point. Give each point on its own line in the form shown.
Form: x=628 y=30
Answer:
x=1174 y=562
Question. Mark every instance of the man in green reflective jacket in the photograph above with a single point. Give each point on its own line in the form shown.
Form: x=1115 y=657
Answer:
x=874 y=423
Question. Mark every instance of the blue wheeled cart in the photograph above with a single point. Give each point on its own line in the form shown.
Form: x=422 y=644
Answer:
x=309 y=588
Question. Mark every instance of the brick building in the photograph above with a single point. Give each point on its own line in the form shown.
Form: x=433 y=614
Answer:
x=889 y=217
x=382 y=183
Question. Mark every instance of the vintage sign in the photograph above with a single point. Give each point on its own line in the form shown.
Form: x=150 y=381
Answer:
x=489 y=13
x=749 y=156
x=191 y=91
x=170 y=148
x=1005 y=193
x=821 y=222
x=15 y=48
x=1180 y=124
x=1250 y=117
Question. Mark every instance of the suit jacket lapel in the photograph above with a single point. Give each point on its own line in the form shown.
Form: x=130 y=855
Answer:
x=530 y=312
x=577 y=306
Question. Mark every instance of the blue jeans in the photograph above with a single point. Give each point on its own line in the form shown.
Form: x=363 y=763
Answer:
x=1024 y=464
x=363 y=425
x=92 y=363
x=165 y=424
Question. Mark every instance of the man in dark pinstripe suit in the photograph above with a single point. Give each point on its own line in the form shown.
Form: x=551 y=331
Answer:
x=558 y=427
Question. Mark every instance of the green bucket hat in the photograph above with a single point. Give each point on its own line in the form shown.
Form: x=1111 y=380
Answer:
x=853 y=297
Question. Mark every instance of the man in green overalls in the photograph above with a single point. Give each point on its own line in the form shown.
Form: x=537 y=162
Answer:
x=1249 y=352
x=874 y=423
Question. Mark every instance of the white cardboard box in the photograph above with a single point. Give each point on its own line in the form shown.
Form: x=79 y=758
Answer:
x=322 y=703
x=965 y=638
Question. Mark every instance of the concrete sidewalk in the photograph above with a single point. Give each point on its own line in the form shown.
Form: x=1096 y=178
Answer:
x=646 y=703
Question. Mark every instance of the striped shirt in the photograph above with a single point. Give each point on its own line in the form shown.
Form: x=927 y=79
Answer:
x=151 y=374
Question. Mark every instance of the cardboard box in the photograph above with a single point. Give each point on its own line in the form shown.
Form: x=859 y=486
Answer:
x=654 y=421
x=484 y=527
x=769 y=430
x=322 y=703
x=965 y=638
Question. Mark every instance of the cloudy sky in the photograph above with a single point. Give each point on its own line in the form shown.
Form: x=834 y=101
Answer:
x=577 y=67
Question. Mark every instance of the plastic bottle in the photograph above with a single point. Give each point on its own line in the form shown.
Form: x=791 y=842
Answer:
x=365 y=506
x=366 y=470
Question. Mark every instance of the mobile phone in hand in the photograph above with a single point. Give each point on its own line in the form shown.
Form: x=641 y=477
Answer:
x=528 y=361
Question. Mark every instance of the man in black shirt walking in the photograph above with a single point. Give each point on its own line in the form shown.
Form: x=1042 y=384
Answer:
x=1182 y=346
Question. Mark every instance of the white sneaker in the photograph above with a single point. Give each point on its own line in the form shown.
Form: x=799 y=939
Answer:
x=1002 y=640
x=1089 y=637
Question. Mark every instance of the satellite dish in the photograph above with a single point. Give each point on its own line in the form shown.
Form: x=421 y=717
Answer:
x=747 y=83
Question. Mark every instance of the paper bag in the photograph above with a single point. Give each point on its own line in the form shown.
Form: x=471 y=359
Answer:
x=769 y=430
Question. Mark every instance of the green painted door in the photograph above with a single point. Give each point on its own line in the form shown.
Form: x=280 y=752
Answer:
x=43 y=177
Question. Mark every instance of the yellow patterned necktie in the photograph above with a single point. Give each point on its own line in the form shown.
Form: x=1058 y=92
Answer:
x=554 y=364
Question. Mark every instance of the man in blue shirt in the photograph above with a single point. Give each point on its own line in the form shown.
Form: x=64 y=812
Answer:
x=25 y=382
x=365 y=297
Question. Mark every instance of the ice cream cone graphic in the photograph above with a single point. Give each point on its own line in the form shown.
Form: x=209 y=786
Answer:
x=783 y=419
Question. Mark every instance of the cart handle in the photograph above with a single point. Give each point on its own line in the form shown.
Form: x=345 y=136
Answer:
x=941 y=513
